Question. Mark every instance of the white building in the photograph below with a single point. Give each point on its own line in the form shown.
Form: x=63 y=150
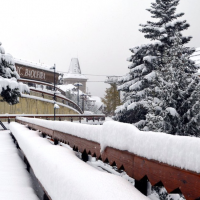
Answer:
x=74 y=75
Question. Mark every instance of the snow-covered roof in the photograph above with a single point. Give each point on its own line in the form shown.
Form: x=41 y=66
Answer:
x=33 y=64
x=70 y=88
x=65 y=88
x=97 y=100
x=74 y=70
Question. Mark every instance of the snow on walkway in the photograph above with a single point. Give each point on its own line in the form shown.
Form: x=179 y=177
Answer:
x=15 y=183
x=65 y=176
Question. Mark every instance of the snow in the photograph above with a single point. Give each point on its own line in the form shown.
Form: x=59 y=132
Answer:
x=68 y=87
x=174 y=23
x=154 y=196
x=64 y=175
x=172 y=111
x=80 y=130
x=56 y=106
x=100 y=165
x=126 y=84
x=149 y=58
x=47 y=100
x=32 y=64
x=179 y=151
x=15 y=182
x=71 y=88
x=98 y=102
x=196 y=57
x=150 y=76
x=12 y=84
x=135 y=86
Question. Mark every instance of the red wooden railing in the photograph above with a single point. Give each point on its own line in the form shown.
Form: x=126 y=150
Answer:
x=173 y=178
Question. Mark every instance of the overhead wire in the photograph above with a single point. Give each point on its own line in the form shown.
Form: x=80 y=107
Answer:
x=92 y=74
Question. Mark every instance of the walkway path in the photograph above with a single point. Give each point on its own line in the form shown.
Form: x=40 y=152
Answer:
x=15 y=182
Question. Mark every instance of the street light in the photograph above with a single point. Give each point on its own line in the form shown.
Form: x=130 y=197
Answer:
x=83 y=98
x=77 y=85
x=54 y=96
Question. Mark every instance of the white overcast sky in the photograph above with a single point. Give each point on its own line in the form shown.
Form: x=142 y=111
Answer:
x=98 y=32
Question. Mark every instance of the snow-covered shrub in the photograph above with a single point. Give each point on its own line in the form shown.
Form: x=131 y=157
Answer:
x=10 y=89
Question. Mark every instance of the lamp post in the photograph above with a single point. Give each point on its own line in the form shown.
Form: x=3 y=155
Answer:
x=54 y=96
x=77 y=85
x=83 y=98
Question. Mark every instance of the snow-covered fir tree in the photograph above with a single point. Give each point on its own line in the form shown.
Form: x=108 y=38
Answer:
x=10 y=89
x=161 y=91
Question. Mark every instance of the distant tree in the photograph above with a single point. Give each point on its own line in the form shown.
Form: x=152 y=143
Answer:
x=10 y=89
x=111 y=99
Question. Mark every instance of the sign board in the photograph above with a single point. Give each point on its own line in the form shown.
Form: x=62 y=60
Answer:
x=37 y=74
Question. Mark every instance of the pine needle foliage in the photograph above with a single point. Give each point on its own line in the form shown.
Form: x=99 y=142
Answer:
x=161 y=91
x=9 y=90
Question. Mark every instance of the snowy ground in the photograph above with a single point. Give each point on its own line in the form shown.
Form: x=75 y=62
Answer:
x=15 y=182
x=64 y=175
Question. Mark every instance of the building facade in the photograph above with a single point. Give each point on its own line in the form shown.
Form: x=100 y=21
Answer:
x=74 y=75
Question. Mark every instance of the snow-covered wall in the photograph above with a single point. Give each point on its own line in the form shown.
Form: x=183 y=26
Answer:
x=179 y=151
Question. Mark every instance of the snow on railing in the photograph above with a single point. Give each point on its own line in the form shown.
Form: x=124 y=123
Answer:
x=50 y=92
x=64 y=175
x=139 y=153
x=179 y=151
